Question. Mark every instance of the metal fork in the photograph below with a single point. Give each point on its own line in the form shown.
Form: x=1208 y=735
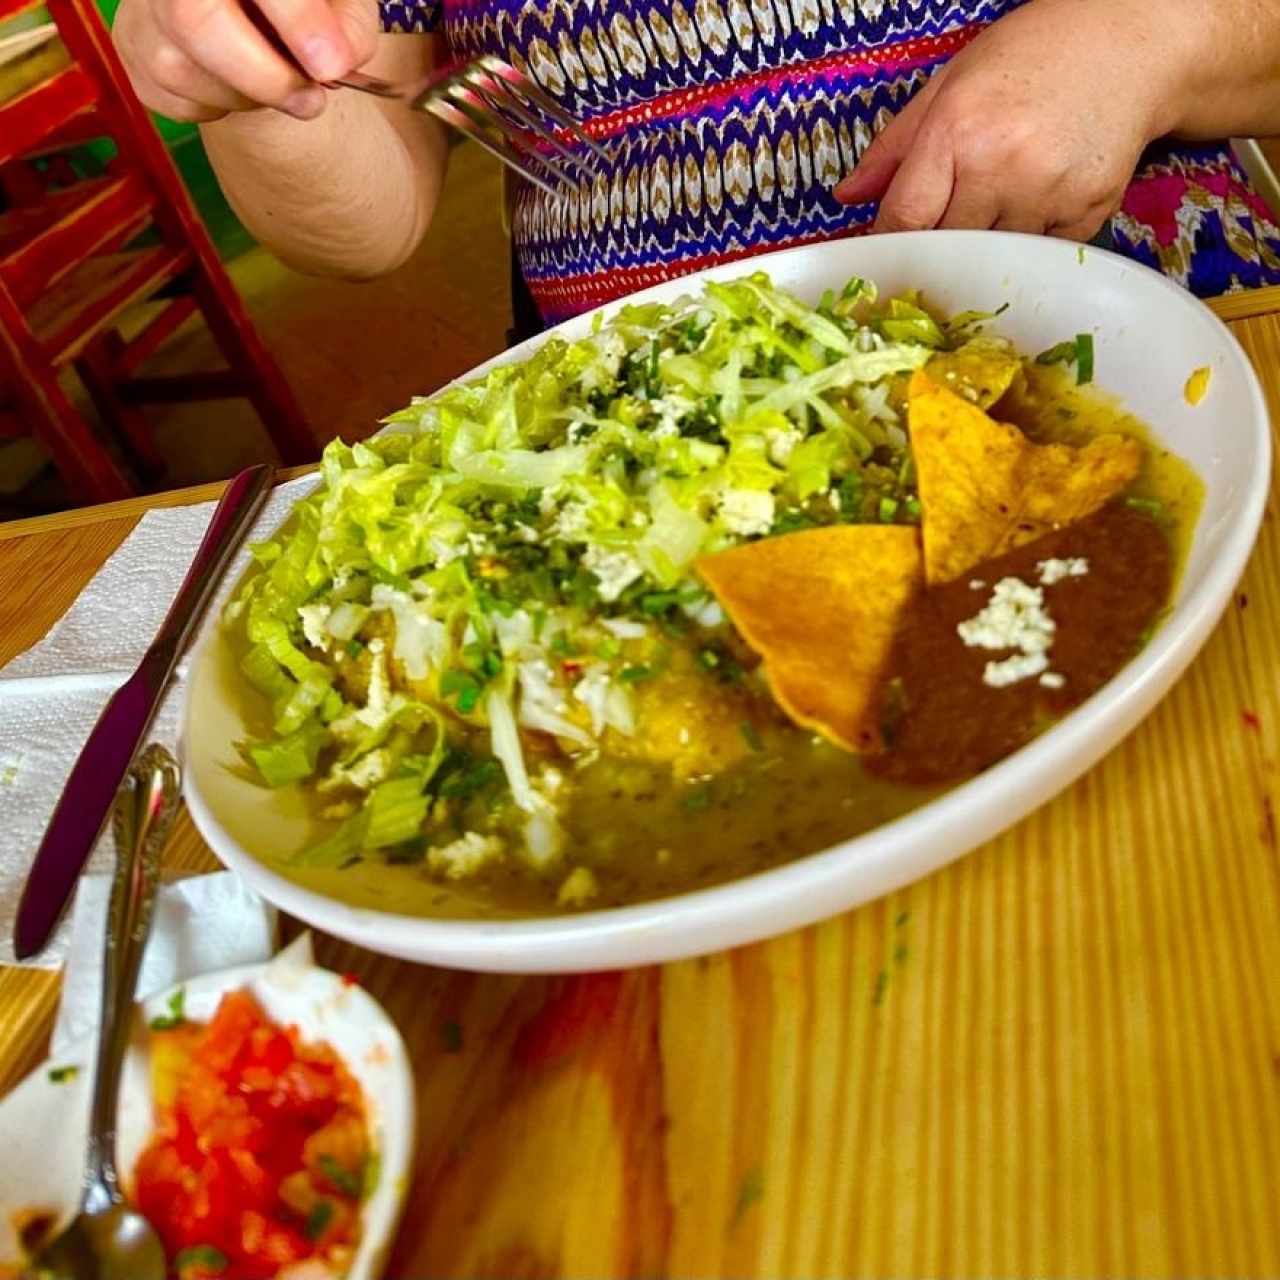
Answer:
x=497 y=106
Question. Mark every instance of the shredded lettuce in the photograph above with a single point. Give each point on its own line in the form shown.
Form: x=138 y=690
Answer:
x=480 y=572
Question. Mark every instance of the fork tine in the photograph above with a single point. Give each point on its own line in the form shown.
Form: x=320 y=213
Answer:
x=522 y=85
x=461 y=98
x=457 y=120
x=500 y=99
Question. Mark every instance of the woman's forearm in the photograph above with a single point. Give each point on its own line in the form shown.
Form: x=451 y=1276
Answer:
x=349 y=194
x=1229 y=53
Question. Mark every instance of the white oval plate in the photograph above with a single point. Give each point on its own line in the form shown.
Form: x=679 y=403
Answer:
x=1150 y=336
x=43 y=1125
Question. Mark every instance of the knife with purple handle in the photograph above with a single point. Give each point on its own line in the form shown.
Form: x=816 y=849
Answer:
x=90 y=791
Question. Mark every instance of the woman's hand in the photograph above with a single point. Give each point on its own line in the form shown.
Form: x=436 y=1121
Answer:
x=203 y=59
x=1036 y=126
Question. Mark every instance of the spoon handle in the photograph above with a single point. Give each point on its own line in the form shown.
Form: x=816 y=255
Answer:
x=144 y=811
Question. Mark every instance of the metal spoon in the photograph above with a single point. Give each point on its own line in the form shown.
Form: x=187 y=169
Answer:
x=107 y=1240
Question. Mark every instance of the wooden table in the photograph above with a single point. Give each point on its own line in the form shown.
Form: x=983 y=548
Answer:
x=1058 y=1057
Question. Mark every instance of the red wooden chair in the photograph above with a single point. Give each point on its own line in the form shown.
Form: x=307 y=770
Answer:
x=73 y=258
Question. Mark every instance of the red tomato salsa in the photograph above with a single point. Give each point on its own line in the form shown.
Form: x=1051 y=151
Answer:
x=260 y=1157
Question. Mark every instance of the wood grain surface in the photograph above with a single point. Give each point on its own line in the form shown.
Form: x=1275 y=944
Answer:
x=1058 y=1057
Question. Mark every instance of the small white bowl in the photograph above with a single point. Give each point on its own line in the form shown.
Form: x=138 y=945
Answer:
x=1150 y=336
x=43 y=1124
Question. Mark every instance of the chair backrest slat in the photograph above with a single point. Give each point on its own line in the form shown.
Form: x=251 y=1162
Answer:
x=29 y=119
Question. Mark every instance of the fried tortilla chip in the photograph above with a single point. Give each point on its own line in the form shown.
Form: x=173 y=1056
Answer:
x=822 y=608
x=981 y=370
x=986 y=489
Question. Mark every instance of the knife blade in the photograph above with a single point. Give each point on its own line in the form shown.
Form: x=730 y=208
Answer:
x=99 y=770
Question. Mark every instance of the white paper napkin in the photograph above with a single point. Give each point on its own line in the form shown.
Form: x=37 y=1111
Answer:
x=51 y=696
x=201 y=924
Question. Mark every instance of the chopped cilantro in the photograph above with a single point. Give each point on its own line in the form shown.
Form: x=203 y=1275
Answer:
x=698 y=798
x=397 y=580
x=63 y=1075
x=751 y=735
x=1147 y=506
x=465 y=686
x=580 y=588
x=708 y=659
x=1084 y=358
x=318 y=1219
x=354 y=648
x=633 y=675
x=486 y=662
x=1077 y=351
x=339 y=1177
x=451 y=1036
x=792 y=521
x=888 y=510
x=850 y=495
x=688 y=336
x=750 y=1192
x=177 y=1014
x=659 y=602
x=463 y=777
x=882 y=981
x=1059 y=353
x=200 y=1260
x=703 y=423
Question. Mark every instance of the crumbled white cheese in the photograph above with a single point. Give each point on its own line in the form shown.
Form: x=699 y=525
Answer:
x=873 y=400
x=615 y=570
x=378 y=704
x=704 y=610
x=1054 y=571
x=1014 y=618
x=671 y=410
x=445 y=552
x=479 y=544
x=465 y=856
x=573 y=522
x=613 y=350
x=976 y=584
x=314 y=617
x=625 y=628
x=1053 y=680
x=1022 y=666
x=580 y=887
x=780 y=442
x=747 y=511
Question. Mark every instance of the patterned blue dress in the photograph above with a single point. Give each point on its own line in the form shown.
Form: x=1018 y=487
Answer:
x=728 y=122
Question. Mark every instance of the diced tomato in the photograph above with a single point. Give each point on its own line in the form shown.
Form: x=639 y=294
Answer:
x=252 y=1127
